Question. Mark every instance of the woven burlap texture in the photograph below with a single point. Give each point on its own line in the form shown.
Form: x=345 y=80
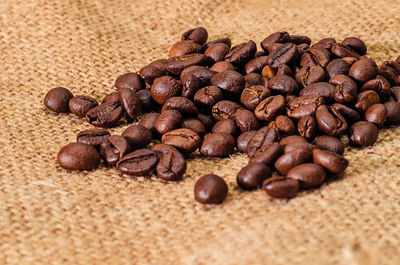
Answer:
x=49 y=215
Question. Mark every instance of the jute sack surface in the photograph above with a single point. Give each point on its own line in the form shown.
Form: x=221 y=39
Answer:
x=49 y=215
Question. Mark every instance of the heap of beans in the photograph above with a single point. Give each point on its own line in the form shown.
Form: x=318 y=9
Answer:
x=286 y=106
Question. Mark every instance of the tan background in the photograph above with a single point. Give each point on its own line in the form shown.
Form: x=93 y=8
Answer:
x=51 y=216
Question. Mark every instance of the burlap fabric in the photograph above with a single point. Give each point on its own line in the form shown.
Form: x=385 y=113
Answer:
x=53 y=216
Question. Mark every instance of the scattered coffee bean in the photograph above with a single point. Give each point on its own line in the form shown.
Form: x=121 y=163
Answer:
x=308 y=175
x=307 y=127
x=149 y=120
x=138 y=136
x=252 y=96
x=224 y=109
x=365 y=100
x=284 y=125
x=262 y=138
x=310 y=74
x=227 y=126
x=105 y=115
x=165 y=87
x=246 y=120
x=198 y=35
x=330 y=143
x=330 y=121
x=183 y=47
x=57 y=99
x=141 y=162
x=130 y=81
x=185 y=140
x=229 y=81
x=217 y=145
x=281 y=187
x=268 y=155
x=298 y=145
x=363 y=70
x=341 y=51
x=112 y=97
x=393 y=112
x=78 y=156
x=207 y=97
x=252 y=176
x=292 y=139
x=210 y=189
x=337 y=67
x=194 y=124
x=171 y=165
x=292 y=159
x=355 y=44
x=222 y=66
x=130 y=101
x=345 y=89
x=376 y=114
x=217 y=52
x=283 y=84
x=92 y=137
x=363 y=133
x=331 y=161
x=270 y=107
x=241 y=54
x=146 y=100
x=80 y=105
x=243 y=140
x=113 y=148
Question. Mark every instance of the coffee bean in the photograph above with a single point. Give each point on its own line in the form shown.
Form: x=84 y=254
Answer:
x=178 y=63
x=80 y=105
x=363 y=133
x=345 y=89
x=252 y=176
x=226 y=41
x=277 y=37
x=393 y=112
x=292 y=139
x=206 y=120
x=307 y=127
x=302 y=48
x=113 y=148
x=363 y=70
x=190 y=84
x=227 y=126
x=281 y=187
x=198 y=35
x=330 y=121
x=253 y=79
x=105 y=115
x=379 y=85
x=256 y=65
x=194 y=124
x=217 y=145
x=92 y=137
x=149 y=120
x=337 y=67
x=243 y=140
x=131 y=81
x=268 y=72
x=112 y=97
x=315 y=56
x=141 y=162
x=168 y=121
x=365 y=100
x=391 y=71
x=230 y=82
x=268 y=155
x=322 y=89
x=130 y=101
x=355 y=44
x=284 y=125
x=298 y=39
x=171 y=165
x=57 y=99
x=207 y=97
x=210 y=189
x=308 y=175
x=283 y=84
x=246 y=120
x=241 y=54
x=289 y=98
x=341 y=51
x=202 y=73
x=217 y=52
x=160 y=64
x=330 y=143
x=252 y=96
x=376 y=114
x=165 y=87
x=146 y=100
x=262 y=138
x=395 y=92
x=224 y=109
x=137 y=136
x=348 y=113
x=270 y=107
x=325 y=43
x=149 y=73
x=350 y=60
x=183 y=47
x=304 y=106
x=182 y=104
x=331 y=161
x=223 y=66
x=285 y=54
x=292 y=159
x=298 y=145
x=185 y=140
x=78 y=156
x=310 y=74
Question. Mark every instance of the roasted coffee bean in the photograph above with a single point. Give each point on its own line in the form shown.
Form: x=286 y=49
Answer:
x=194 y=124
x=148 y=73
x=268 y=155
x=391 y=71
x=345 y=89
x=283 y=84
x=80 y=105
x=141 y=162
x=285 y=54
x=165 y=87
x=243 y=140
x=177 y=64
x=131 y=81
x=303 y=47
x=112 y=97
x=184 y=47
x=285 y=69
x=284 y=125
x=307 y=127
x=365 y=100
x=182 y=104
x=270 y=107
x=113 y=148
x=226 y=41
x=202 y=73
x=198 y=35
x=224 y=109
x=217 y=52
x=289 y=98
x=149 y=120
x=57 y=99
x=298 y=145
x=376 y=114
x=363 y=133
x=330 y=143
x=331 y=161
x=172 y=164
x=246 y=120
x=167 y=121
x=229 y=81
x=253 y=79
x=185 y=140
x=395 y=92
x=304 y=106
x=310 y=74
x=210 y=189
x=281 y=187
x=393 y=112
x=277 y=37
x=92 y=137
x=298 y=39
x=379 y=85
x=341 y=51
x=138 y=136
x=308 y=175
x=356 y=45
x=130 y=101
x=325 y=43
x=292 y=159
x=351 y=116
x=322 y=89
x=252 y=96
x=242 y=53
x=206 y=120
x=350 y=60
x=207 y=97
x=223 y=66
x=330 y=121
x=262 y=138
x=256 y=65
x=337 y=67
x=227 y=126
x=315 y=56
x=363 y=70
x=268 y=72
x=252 y=176
x=292 y=139
x=78 y=156
x=105 y=115
x=190 y=84
x=160 y=64
x=217 y=145
x=145 y=99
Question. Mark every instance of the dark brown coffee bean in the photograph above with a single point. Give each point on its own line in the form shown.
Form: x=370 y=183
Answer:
x=337 y=67
x=292 y=159
x=330 y=143
x=304 y=106
x=149 y=120
x=393 y=112
x=365 y=100
x=105 y=115
x=298 y=145
x=268 y=155
x=345 y=89
x=160 y=64
x=182 y=104
x=57 y=99
x=246 y=120
x=310 y=74
x=80 y=105
x=395 y=92
x=298 y=39
x=289 y=98
x=363 y=70
x=165 y=87
x=112 y=97
x=168 y=121
x=253 y=79
x=284 y=69
x=207 y=45
x=141 y=162
x=356 y=45
x=283 y=84
x=217 y=52
x=172 y=164
x=113 y=148
x=148 y=73
x=78 y=156
x=376 y=114
x=198 y=35
x=190 y=84
x=331 y=161
x=207 y=97
x=284 y=125
x=277 y=37
x=252 y=176
x=217 y=145
x=92 y=137
x=292 y=139
x=252 y=96
x=270 y=107
x=307 y=127
x=131 y=81
x=256 y=65
x=229 y=81
x=206 y=120
x=227 y=126
x=137 y=136
x=363 y=133
x=308 y=175
x=285 y=54
x=391 y=71
x=184 y=47
x=177 y=64
x=225 y=109
x=303 y=47
x=330 y=121
x=146 y=100
x=200 y=72
x=130 y=101
x=325 y=43
x=241 y=54
x=194 y=124
x=185 y=140
x=348 y=113
x=281 y=187
x=379 y=85
x=243 y=140
x=210 y=189
x=315 y=56
x=262 y=138
x=341 y=51
x=223 y=66
x=322 y=89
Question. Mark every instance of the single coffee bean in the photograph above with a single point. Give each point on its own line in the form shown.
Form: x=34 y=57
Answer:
x=137 y=136
x=200 y=72
x=365 y=100
x=141 y=162
x=242 y=53
x=330 y=121
x=182 y=104
x=160 y=64
x=281 y=187
x=351 y=116
x=92 y=137
x=292 y=159
x=57 y=99
x=256 y=65
x=131 y=81
x=224 y=109
x=146 y=100
x=393 y=112
x=292 y=139
x=148 y=73
x=112 y=97
x=194 y=124
x=308 y=175
x=177 y=64
x=310 y=74
x=315 y=56
x=171 y=165
x=337 y=67
x=363 y=70
x=252 y=176
x=268 y=155
x=78 y=156
x=230 y=82
x=270 y=107
x=246 y=120
x=80 y=105
x=198 y=35
x=185 y=140
x=298 y=39
x=302 y=48
x=285 y=69
x=268 y=72
x=253 y=79
x=149 y=120
x=307 y=127
x=341 y=51
x=252 y=96
x=190 y=84
x=304 y=106
x=283 y=84
x=165 y=87
x=217 y=145
x=207 y=97
x=210 y=189
x=277 y=37
x=207 y=45
x=113 y=148
x=105 y=115
x=206 y=120
x=217 y=52
x=227 y=126
x=284 y=125
x=262 y=138
x=355 y=44
x=345 y=89
x=223 y=66
x=285 y=54
x=330 y=143
x=322 y=89
x=331 y=161
x=298 y=145
x=376 y=114
x=130 y=101
x=184 y=47
x=391 y=71
x=167 y=121
x=325 y=43
x=363 y=133
x=379 y=85
x=243 y=140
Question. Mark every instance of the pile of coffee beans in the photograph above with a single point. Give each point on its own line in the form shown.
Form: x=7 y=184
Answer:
x=287 y=106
